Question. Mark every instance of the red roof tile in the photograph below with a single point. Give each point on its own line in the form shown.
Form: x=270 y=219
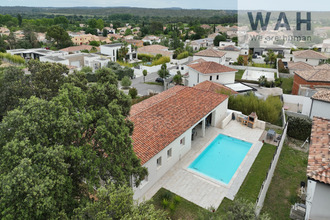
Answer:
x=210 y=53
x=316 y=75
x=160 y=120
x=309 y=54
x=318 y=167
x=213 y=87
x=322 y=95
x=211 y=67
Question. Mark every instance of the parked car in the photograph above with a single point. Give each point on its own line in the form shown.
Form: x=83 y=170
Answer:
x=159 y=80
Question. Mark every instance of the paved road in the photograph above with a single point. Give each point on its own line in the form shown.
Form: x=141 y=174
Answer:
x=143 y=89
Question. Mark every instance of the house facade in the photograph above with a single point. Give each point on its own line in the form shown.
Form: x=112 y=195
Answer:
x=320 y=106
x=309 y=56
x=165 y=127
x=319 y=76
x=318 y=172
x=211 y=55
x=212 y=71
x=111 y=50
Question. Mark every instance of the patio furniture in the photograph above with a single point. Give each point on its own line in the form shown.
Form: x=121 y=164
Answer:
x=271 y=134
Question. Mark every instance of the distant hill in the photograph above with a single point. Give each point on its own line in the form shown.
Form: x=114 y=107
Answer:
x=101 y=11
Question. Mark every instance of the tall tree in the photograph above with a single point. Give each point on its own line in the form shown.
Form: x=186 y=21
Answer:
x=59 y=36
x=117 y=203
x=163 y=72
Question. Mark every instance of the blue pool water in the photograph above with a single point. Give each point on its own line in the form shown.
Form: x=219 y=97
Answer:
x=221 y=158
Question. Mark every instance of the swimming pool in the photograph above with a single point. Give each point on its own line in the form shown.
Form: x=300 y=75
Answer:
x=221 y=158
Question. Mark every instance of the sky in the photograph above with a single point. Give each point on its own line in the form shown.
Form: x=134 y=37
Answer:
x=284 y=5
x=186 y=4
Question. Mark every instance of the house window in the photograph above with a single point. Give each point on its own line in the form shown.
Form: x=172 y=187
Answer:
x=169 y=153
x=159 y=162
x=182 y=141
x=210 y=78
x=306 y=60
x=217 y=77
x=182 y=68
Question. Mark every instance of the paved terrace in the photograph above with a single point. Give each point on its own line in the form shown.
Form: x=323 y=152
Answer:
x=203 y=191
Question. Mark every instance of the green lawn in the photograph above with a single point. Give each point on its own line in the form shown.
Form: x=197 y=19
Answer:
x=290 y=171
x=287 y=85
x=154 y=83
x=253 y=181
x=249 y=189
x=262 y=65
x=239 y=74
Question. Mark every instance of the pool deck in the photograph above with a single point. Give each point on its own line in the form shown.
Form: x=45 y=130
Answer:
x=202 y=191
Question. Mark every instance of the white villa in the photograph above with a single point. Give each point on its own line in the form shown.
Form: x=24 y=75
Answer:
x=165 y=126
x=320 y=105
x=318 y=171
x=209 y=70
x=308 y=56
x=211 y=55
x=111 y=50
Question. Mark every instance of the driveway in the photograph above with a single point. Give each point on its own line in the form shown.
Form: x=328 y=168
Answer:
x=144 y=89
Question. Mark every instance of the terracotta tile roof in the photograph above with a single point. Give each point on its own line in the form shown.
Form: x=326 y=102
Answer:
x=318 y=167
x=200 y=60
x=160 y=120
x=311 y=54
x=323 y=67
x=322 y=95
x=210 y=53
x=299 y=66
x=229 y=48
x=78 y=48
x=211 y=67
x=316 y=75
x=155 y=49
x=213 y=87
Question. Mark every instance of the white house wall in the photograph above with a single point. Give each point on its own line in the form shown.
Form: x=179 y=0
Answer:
x=178 y=151
x=313 y=62
x=155 y=172
x=320 y=109
x=317 y=201
x=224 y=78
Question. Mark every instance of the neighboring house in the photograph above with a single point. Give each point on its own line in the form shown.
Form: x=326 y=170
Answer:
x=211 y=55
x=154 y=50
x=41 y=37
x=87 y=38
x=201 y=43
x=206 y=26
x=221 y=29
x=215 y=87
x=232 y=31
x=226 y=43
x=35 y=53
x=136 y=43
x=164 y=128
x=78 y=60
x=320 y=106
x=4 y=31
x=232 y=53
x=308 y=56
x=296 y=66
x=320 y=76
x=212 y=71
x=151 y=39
x=111 y=50
x=78 y=49
x=318 y=171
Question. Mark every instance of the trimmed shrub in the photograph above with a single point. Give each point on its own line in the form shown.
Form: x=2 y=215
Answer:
x=299 y=127
x=12 y=58
x=160 y=61
x=183 y=55
x=133 y=92
x=145 y=57
x=267 y=110
x=126 y=82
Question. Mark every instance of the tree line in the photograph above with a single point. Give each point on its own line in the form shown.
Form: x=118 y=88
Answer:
x=66 y=147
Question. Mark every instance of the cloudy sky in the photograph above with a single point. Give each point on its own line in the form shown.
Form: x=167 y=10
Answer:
x=313 y=5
